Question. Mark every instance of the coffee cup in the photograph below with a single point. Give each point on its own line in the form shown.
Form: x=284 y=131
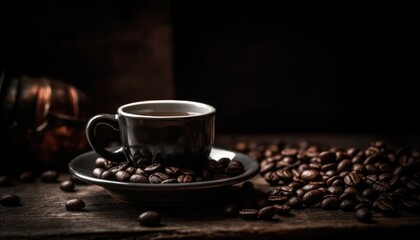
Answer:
x=169 y=132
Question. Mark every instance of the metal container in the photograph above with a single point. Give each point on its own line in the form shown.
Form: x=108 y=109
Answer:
x=42 y=122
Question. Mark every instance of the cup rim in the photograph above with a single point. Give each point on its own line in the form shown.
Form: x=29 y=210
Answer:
x=211 y=109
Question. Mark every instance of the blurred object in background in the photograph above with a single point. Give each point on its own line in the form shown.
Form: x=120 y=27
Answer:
x=42 y=122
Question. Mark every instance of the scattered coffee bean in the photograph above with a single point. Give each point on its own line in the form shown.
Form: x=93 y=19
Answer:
x=50 y=176
x=266 y=213
x=184 y=178
x=363 y=215
x=5 y=181
x=10 y=200
x=234 y=168
x=230 y=210
x=248 y=214
x=312 y=196
x=26 y=176
x=311 y=175
x=330 y=203
x=282 y=209
x=347 y=205
x=108 y=175
x=67 y=186
x=75 y=205
x=150 y=218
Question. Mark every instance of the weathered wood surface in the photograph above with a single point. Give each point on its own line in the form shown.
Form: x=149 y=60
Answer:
x=42 y=215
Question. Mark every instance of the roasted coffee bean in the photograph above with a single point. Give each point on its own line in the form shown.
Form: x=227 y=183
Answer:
x=97 y=172
x=120 y=167
x=26 y=176
x=285 y=175
x=309 y=187
x=143 y=162
x=327 y=157
x=184 y=178
x=75 y=205
x=122 y=176
x=295 y=202
x=5 y=181
x=265 y=167
x=335 y=190
x=224 y=161
x=153 y=168
x=363 y=215
x=371 y=169
x=172 y=171
x=67 y=186
x=290 y=152
x=159 y=177
x=413 y=185
x=353 y=179
x=282 y=209
x=170 y=180
x=347 y=205
x=358 y=167
x=136 y=178
x=344 y=165
x=266 y=213
x=331 y=173
x=300 y=192
x=215 y=167
x=108 y=175
x=248 y=214
x=338 y=183
x=311 y=175
x=315 y=165
x=385 y=206
x=361 y=205
x=312 y=196
x=347 y=196
x=411 y=204
x=330 y=203
x=343 y=174
x=140 y=171
x=50 y=176
x=131 y=170
x=234 y=168
x=150 y=218
x=370 y=179
x=380 y=186
x=328 y=167
x=295 y=185
x=331 y=180
x=186 y=171
x=10 y=200
x=230 y=210
x=277 y=199
x=370 y=193
x=102 y=163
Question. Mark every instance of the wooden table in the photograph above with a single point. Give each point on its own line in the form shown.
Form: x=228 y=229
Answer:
x=42 y=215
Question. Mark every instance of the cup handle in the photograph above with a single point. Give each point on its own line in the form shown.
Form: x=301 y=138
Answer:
x=110 y=120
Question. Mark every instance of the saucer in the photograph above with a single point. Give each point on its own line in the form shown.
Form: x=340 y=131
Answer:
x=148 y=194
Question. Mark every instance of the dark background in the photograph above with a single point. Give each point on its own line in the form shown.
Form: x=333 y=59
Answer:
x=267 y=68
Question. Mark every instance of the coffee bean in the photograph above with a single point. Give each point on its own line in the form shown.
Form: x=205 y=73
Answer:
x=385 y=206
x=120 y=167
x=170 y=180
x=353 y=179
x=215 y=167
x=97 y=172
x=26 y=176
x=309 y=187
x=234 y=168
x=361 y=205
x=10 y=200
x=224 y=161
x=184 y=178
x=347 y=205
x=140 y=171
x=75 y=205
x=158 y=177
x=122 y=176
x=328 y=167
x=380 y=186
x=370 y=193
x=300 y=192
x=363 y=215
x=131 y=170
x=371 y=169
x=153 y=168
x=67 y=186
x=312 y=196
x=344 y=165
x=50 y=176
x=102 y=163
x=330 y=203
x=5 y=181
x=277 y=199
x=327 y=157
x=282 y=209
x=411 y=204
x=230 y=210
x=248 y=214
x=284 y=175
x=266 y=213
x=108 y=175
x=172 y=171
x=136 y=178
x=311 y=175
x=150 y=218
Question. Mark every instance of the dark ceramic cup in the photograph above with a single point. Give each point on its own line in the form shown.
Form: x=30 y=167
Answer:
x=170 y=132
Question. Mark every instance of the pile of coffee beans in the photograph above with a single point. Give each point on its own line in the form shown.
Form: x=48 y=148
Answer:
x=378 y=177
x=158 y=174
